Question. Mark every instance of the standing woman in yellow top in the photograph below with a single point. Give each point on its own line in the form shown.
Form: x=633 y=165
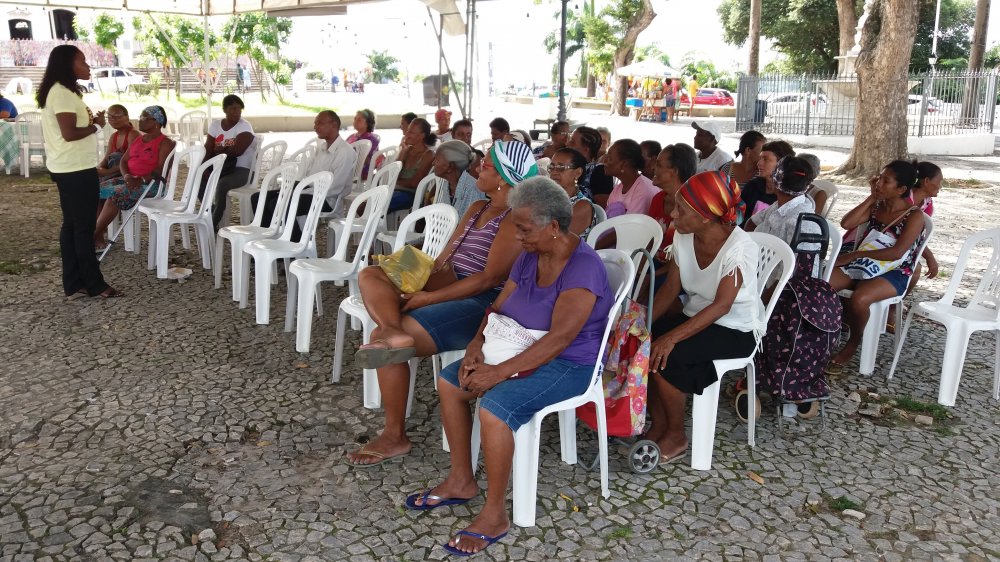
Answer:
x=70 y=131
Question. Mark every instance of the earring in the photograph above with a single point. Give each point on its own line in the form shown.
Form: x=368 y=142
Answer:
x=554 y=236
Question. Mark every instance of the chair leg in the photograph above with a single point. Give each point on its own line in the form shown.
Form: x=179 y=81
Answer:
x=262 y=295
x=185 y=237
x=25 y=161
x=235 y=273
x=869 y=341
x=205 y=234
x=162 y=233
x=567 y=435
x=602 y=438
x=525 y=473
x=412 y=364
x=704 y=410
x=475 y=443
x=899 y=343
x=151 y=249
x=246 y=211
x=338 y=347
x=955 y=343
x=304 y=301
x=219 y=243
x=996 y=369
x=244 y=278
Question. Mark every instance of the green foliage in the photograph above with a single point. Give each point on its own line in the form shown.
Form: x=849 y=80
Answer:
x=708 y=75
x=992 y=58
x=576 y=40
x=79 y=27
x=807 y=32
x=107 y=30
x=177 y=39
x=841 y=503
x=315 y=75
x=652 y=51
x=383 y=67
x=260 y=37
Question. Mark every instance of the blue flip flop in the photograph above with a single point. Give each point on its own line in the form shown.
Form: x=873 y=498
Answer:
x=489 y=541
x=411 y=501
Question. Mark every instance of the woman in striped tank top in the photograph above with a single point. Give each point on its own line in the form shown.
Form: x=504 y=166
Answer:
x=446 y=314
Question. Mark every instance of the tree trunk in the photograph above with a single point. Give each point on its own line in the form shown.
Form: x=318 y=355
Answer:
x=979 y=35
x=626 y=52
x=880 y=121
x=753 y=65
x=591 y=85
x=847 y=19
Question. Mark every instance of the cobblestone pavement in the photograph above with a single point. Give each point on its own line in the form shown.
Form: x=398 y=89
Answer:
x=167 y=425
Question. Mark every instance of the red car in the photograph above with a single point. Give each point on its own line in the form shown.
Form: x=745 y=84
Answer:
x=709 y=96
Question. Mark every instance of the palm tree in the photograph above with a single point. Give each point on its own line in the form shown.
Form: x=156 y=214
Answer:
x=576 y=42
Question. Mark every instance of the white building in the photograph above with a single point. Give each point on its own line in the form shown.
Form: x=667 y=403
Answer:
x=37 y=23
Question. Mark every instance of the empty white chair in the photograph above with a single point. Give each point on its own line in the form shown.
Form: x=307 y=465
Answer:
x=632 y=232
x=621 y=275
x=344 y=227
x=266 y=252
x=836 y=242
x=196 y=214
x=430 y=181
x=28 y=126
x=385 y=156
x=193 y=127
x=440 y=221
x=239 y=235
x=705 y=407
x=304 y=158
x=266 y=158
x=879 y=313
x=362 y=147
x=982 y=312
x=831 y=191
x=165 y=200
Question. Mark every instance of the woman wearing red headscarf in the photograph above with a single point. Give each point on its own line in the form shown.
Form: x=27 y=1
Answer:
x=715 y=264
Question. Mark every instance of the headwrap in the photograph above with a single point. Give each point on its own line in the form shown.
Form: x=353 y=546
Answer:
x=715 y=196
x=156 y=112
x=514 y=161
x=779 y=179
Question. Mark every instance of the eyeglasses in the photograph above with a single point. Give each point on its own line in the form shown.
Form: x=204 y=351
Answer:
x=560 y=168
x=116 y=115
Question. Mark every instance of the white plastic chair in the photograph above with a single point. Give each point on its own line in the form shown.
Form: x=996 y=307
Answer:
x=193 y=127
x=600 y=215
x=28 y=126
x=831 y=191
x=632 y=232
x=621 y=275
x=133 y=231
x=266 y=158
x=195 y=214
x=543 y=166
x=362 y=148
x=483 y=145
x=309 y=273
x=165 y=202
x=836 y=242
x=266 y=252
x=254 y=160
x=440 y=222
x=239 y=235
x=393 y=220
x=303 y=157
x=879 y=314
x=982 y=312
x=342 y=227
x=705 y=408
x=387 y=155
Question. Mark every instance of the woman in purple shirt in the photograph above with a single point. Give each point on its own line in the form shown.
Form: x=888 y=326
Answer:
x=558 y=284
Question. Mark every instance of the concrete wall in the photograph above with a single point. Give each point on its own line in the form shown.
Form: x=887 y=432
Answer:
x=979 y=144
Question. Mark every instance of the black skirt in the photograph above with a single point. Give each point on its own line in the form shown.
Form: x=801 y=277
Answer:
x=690 y=366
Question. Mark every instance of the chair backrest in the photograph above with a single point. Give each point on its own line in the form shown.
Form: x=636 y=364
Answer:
x=255 y=145
x=320 y=184
x=421 y=193
x=267 y=157
x=831 y=191
x=380 y=160
x=483 y=144
x=172 y=121
x=773 y=252
x=987 y=295
x=836 y=242
x=303 y=159
x=633 y=232
x=28 y=126
x=543 y=166
x=600 y=215
x=282 y=176
x=215 y=163
x=621 y=278
x=442 y=192
x=193 y=126
x=361 y=149
x=376 y=204
x=440 y=220
x=193 y=156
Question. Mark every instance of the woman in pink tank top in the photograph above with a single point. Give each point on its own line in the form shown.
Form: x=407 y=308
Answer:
x=144 y=158
x=447 y=313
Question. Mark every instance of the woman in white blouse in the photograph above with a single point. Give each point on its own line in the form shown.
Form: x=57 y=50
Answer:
x=715 y=263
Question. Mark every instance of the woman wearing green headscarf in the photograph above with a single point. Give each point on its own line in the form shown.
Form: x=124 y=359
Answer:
x=446 y=314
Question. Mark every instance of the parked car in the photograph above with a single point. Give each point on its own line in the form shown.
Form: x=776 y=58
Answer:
x=111 y=79
x=709 y=96
x=795 y=103
x=914 y=102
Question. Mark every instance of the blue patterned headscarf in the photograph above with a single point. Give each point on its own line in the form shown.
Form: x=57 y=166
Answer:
x=157 y=113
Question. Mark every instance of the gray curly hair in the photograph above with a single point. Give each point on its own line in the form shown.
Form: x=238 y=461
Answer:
x=546 y=200
x=457 y=152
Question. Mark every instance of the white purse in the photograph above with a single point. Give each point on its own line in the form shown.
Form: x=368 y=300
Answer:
x=505 y=338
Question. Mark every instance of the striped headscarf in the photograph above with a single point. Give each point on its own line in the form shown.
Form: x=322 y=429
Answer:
x=714 y=196
x=514 y=161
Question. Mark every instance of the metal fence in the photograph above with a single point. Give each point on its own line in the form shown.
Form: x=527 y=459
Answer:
x=941 y=103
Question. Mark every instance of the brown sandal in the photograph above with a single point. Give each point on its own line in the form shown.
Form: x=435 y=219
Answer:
x=111 y=293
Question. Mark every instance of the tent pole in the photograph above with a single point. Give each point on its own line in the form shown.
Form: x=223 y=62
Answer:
x=562 y=61
x=440 y=56
x=471 y=30
x=204 y=64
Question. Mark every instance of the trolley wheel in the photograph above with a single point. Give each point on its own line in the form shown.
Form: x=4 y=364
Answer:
x=643 y=456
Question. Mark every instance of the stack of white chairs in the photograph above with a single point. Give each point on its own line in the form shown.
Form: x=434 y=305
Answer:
x=266 y=157
x=192 y=127
x=197 y=214
x=303 y=157
x=439 y=222
x=165 y=200
x=28 y=126
x=266 y=252
x=239 y=235
x=338 y=228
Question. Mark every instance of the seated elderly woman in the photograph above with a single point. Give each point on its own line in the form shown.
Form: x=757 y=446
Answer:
x=451 y=163
x=675 y=165
x=141 y=164
x=119 y=142
x=557 y=286
x=565 y=169
x=364 y=129
x=444 y=315
x=715 y=264
x=417 y=157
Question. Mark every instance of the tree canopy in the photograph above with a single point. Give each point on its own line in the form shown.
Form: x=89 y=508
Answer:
x=383 y=67
x=107 y=30
x=807 y=32
x=259 y=37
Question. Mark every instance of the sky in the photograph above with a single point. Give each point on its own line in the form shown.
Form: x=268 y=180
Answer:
x=515 y=29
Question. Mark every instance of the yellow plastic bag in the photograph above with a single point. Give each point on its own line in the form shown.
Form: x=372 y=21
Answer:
x=408 y=268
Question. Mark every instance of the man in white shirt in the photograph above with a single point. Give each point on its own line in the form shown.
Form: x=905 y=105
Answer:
x=711 y=158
